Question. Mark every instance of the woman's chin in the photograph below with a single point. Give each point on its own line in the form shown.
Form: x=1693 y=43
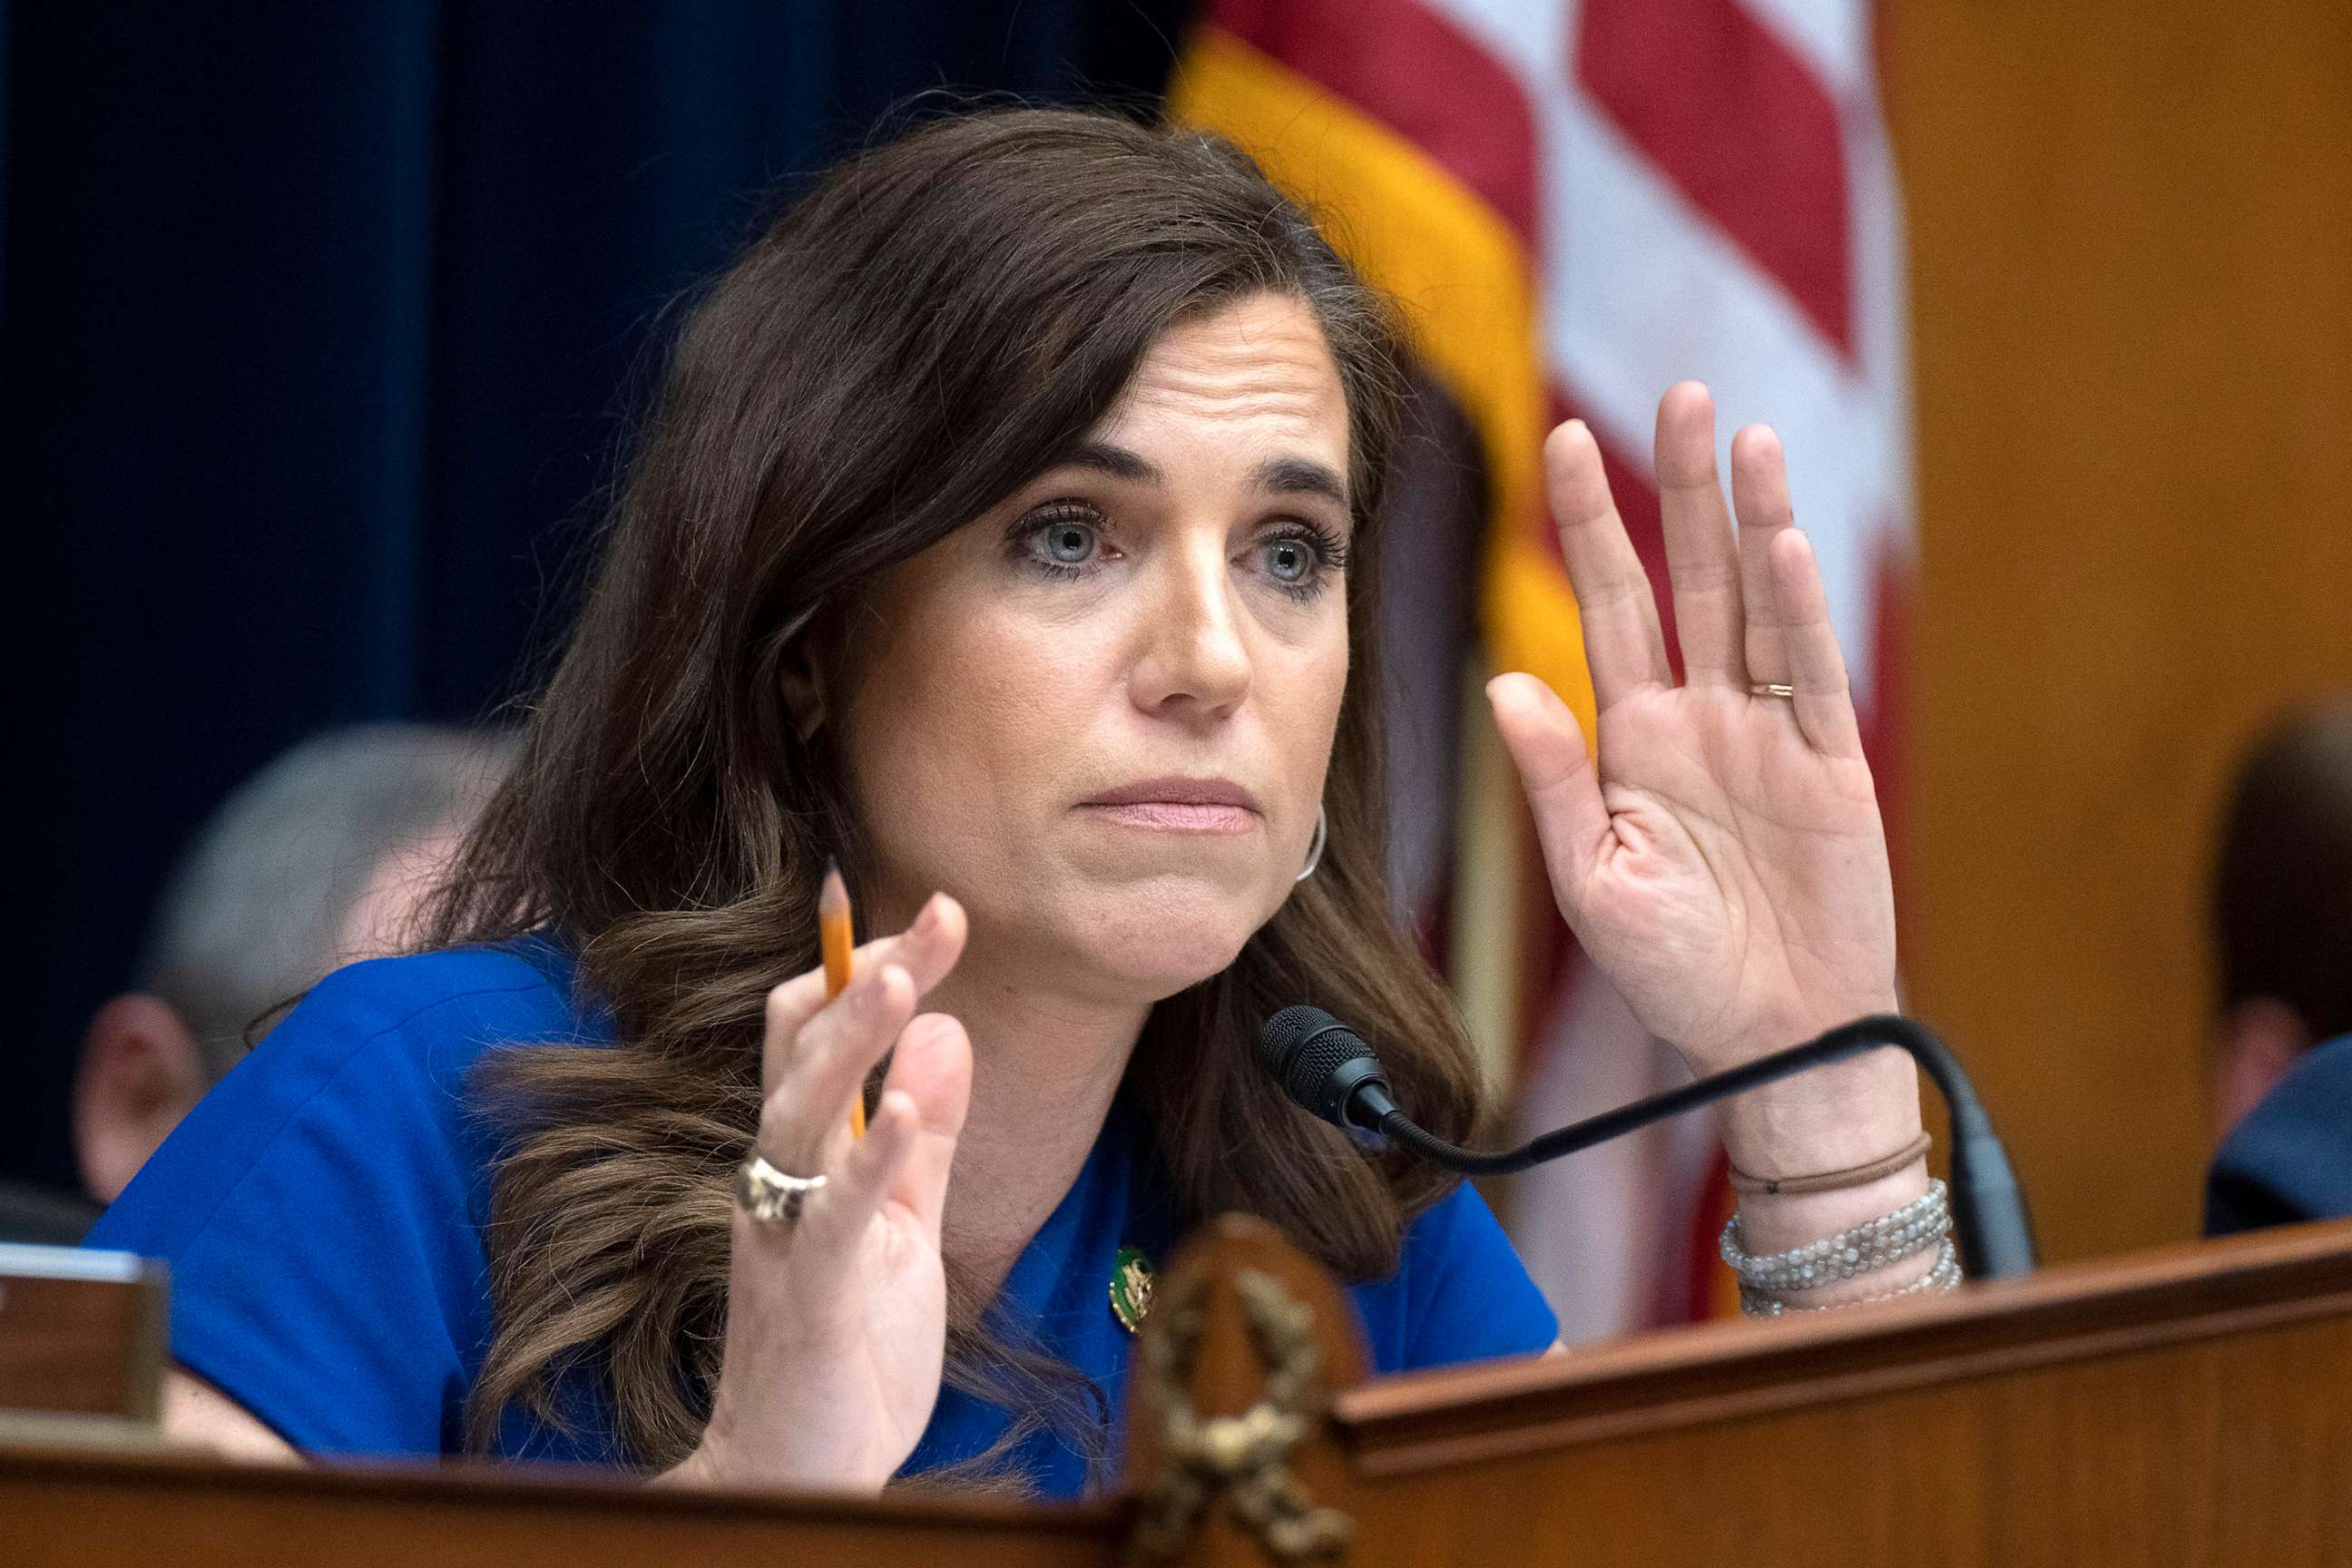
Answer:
x=1152 y=948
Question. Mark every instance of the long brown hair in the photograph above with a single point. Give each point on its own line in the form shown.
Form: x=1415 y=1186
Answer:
x=935 y=324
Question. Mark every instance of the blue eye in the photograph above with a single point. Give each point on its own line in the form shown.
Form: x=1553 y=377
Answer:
x=1068 y=543
x=1303 y=559
x=1062 y=538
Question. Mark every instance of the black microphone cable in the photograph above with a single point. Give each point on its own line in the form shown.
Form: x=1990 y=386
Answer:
x=1329 y=1068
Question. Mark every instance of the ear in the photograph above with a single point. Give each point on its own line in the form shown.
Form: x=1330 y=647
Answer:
x=2261 y=1039
x=802 y=676
x=140 y=1073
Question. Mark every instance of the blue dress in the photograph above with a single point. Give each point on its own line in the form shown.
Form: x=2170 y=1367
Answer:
x=322 y=1212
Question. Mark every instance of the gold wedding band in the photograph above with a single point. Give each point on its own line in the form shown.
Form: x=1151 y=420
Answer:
x=769 y=1195
x=1771 y=689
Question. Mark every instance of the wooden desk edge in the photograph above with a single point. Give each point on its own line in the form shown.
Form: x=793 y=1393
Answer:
x=1707 y=1371
x=495 y=1483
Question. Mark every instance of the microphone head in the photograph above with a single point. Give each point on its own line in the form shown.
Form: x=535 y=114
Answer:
x=1318 y=1061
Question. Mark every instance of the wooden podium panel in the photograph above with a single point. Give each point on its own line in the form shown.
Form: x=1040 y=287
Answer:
x=60 y=1507
x=2192 y=1405
x=81 y=1335
x=2189 y=1406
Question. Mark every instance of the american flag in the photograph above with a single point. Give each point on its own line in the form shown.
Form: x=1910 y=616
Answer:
x=1580 y=202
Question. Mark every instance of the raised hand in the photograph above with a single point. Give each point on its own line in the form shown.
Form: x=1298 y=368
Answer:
x=1723 y=863
x=836 y=1321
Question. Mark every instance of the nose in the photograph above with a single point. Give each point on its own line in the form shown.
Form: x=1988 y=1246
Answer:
x=1194 y=656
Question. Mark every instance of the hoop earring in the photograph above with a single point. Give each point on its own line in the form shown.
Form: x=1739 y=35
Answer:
x=1315 y=848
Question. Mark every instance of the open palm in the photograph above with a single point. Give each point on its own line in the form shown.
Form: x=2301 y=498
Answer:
x=836 y=1316
x=881 y=1324
x=1723 y=861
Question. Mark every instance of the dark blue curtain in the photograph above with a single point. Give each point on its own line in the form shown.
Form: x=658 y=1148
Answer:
x=317 y=324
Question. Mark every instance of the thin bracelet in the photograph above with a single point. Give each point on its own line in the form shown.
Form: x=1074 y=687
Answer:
x=1832 y=1181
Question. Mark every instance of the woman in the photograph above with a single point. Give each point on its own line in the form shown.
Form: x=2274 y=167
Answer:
x=1004 y=531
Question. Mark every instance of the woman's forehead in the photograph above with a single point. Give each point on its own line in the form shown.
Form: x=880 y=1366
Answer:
x=1248 y=378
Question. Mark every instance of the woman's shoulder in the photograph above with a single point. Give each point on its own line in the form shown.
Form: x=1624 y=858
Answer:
x=418 y=1022
x=376 y=1058
x=522 y=989
x=321 y=1209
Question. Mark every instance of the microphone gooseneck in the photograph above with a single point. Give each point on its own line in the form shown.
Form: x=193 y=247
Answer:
x=1332 y=1071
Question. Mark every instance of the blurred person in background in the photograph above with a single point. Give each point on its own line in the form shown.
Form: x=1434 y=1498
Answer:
x=2283 y=914
x=318 y=860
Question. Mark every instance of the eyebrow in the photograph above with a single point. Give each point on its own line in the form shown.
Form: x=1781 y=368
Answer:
x=1276 y=476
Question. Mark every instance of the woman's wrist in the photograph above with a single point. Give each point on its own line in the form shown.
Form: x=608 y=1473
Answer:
x=1770 y=1223
x=1833 y=1118
x=719 y=1461
x=1843 y=1117
x=694 y=1472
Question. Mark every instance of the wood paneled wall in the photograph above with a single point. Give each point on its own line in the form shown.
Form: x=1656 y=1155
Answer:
x=2131 y=230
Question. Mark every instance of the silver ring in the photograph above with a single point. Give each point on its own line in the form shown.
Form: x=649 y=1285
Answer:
x=1771 y=689
x=768 y=1196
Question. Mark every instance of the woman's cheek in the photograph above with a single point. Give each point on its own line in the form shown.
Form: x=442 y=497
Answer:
x=1325 y=691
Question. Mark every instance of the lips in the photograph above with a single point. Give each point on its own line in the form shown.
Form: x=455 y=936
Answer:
x=1174 y=791
x=1216 y=807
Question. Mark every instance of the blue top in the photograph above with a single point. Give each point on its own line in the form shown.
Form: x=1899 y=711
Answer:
x=322 y=1212
x=2290 y=1158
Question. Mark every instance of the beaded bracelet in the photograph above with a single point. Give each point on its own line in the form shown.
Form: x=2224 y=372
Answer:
x=1945 y=1276
x=1850 y=1256
x=1871 y=1245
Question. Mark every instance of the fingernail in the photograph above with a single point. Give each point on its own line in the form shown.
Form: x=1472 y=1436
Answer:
x=927 y=920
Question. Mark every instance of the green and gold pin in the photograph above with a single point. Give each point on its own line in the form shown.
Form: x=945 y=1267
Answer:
x=1130 y=1289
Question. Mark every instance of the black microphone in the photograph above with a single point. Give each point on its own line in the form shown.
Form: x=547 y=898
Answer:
x=1328 y=1068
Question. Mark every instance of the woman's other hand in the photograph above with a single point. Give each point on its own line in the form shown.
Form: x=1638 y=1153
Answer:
x=836 y=1322
x=1724 y=864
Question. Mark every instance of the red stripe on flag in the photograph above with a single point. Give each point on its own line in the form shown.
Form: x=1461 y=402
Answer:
x=1414 y=71
x=1725 y=112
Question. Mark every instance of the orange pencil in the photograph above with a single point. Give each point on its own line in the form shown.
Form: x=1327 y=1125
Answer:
x=834 y=935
